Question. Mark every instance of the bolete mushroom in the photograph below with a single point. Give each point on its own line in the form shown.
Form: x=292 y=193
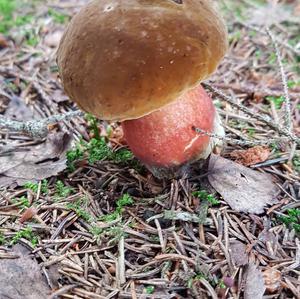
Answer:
x=122 y=60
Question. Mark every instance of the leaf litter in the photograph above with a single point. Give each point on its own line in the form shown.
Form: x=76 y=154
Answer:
x=181 y=257
x=21 y=276
x=254 y=283
x=244 y=189
x=35 y=163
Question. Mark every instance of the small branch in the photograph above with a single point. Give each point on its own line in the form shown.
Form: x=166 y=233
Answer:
x=287 y=100
x=264 y=119
x=121 y=262
x=36 y=128
x=239 y=142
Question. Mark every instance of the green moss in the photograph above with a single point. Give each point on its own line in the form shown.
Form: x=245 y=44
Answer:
x=149 y=290
x=291 y=219
x=2 y=239
x=196 y=277
x=77 y=153
x=125 y=200
x=79 y=207
x=278 y=101
x=35 y=186
x=293 y=84
x=296 y=163
x=27 y=234
x=58 y=17
x=205 y=196
x=97 y=150
x=93 y=125
x=8 y=17
x=61 y=190
x=22 y=202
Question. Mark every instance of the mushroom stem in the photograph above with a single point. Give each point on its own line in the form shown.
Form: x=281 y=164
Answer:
x=166 y=140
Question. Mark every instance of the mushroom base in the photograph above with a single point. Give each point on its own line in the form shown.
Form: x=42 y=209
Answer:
x=176 y=172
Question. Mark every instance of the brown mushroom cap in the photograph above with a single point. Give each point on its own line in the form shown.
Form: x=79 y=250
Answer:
x=123 y=59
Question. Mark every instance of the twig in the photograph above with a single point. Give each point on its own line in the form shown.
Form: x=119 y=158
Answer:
x=209 y=288
x=121 y=261
x=264 y=119
x=36 y=128
x=62 y=291
x=287 y=101
x=239 y=142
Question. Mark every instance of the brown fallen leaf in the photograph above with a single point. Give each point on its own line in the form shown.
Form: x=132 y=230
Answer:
x=272 y=279
x=3 y=42
x=238 y=253
x=37 y=162
x=244 y=189
x=21 y=278
x=28 y=214
x=251 y=156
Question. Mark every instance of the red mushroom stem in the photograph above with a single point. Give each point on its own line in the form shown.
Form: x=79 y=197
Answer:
x=166 y=140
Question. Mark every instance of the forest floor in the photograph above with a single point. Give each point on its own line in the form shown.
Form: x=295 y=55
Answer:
x=80 y=217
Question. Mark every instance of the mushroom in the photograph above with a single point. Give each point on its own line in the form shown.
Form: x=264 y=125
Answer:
x=123 y=60
x=166 y=139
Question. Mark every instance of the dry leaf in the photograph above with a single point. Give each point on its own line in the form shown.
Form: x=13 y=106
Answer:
x=21 y=278
x=244 y=189
x=267 y=236
x=35 y=162
x=272 y=278
x=251 y=156
x=3 y=42
x=254 y=287
x=28 y=214
x=18 y=110
x=238 y=253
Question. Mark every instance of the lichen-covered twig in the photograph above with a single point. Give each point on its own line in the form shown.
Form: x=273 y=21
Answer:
x=287 y=102
x=241 y=142
x=281 y=130
x=36 y=128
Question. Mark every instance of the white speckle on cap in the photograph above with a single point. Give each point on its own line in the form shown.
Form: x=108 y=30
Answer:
x=108 y=8
x=144 y=33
